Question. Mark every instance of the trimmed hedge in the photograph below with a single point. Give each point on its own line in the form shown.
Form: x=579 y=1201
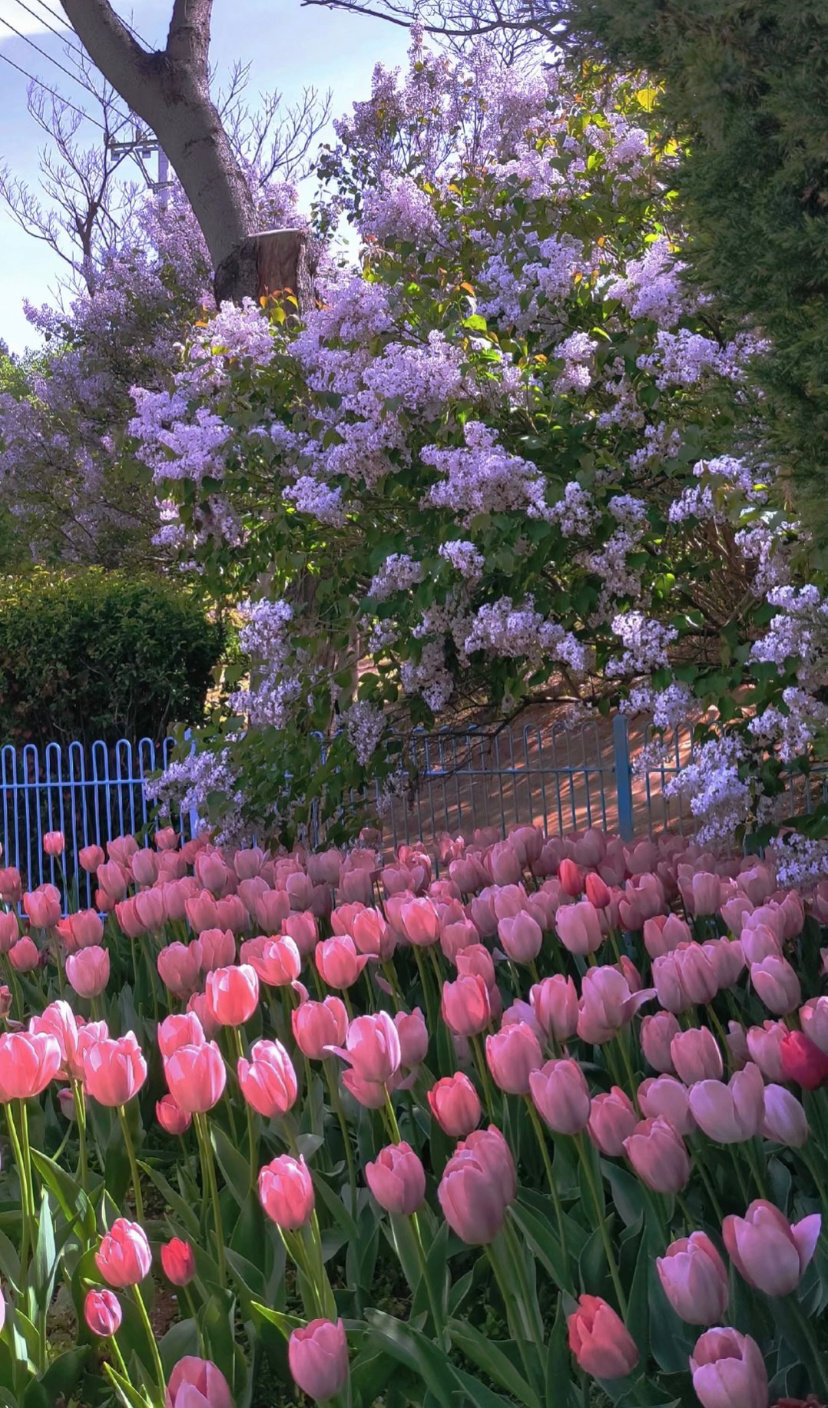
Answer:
x=95 y=654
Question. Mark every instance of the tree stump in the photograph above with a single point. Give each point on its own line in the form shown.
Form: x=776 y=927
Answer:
x=264 y=264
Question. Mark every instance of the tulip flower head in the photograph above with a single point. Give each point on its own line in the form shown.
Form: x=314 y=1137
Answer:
x=102 y=1312
x=318 y=1359
x=600 y=1341
x=124 y=1257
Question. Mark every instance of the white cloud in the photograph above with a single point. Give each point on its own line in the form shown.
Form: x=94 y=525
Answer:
x=30 y=17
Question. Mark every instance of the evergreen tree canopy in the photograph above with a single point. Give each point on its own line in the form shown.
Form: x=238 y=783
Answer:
x=746 y=81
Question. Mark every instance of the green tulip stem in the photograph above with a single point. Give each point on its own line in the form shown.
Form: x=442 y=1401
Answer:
x=540 y=1135
x=479 y=1053
x=436 y=1316
x=118 y=1357
x=153 y=1342
x=600 y=1213
x=391 y=1119
x=133 y=1166
x=252 y=1140
x=336 y=1106
x=208 y=1173
x=80 y=1120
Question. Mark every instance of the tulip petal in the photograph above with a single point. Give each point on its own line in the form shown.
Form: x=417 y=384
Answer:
x=806 y=1235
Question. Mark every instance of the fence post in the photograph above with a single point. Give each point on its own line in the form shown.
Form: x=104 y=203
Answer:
x=193 y=816
x=623 y=776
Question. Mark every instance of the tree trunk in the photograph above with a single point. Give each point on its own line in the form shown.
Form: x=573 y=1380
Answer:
x=267 y=263
x=169 y=90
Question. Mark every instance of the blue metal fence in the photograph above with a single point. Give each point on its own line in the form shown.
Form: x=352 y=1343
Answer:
x=560 y=777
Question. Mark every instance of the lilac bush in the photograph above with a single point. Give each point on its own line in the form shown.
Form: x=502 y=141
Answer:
x=512 y=458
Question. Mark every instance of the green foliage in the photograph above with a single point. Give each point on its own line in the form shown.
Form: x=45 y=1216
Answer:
x=746 y=83
x=95 y=654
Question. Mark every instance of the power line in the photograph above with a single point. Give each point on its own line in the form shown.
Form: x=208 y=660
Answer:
x=39 y=81
x=74 y=76
x=61 y=34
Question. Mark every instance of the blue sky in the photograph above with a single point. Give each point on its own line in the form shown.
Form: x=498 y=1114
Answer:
x=288 y=47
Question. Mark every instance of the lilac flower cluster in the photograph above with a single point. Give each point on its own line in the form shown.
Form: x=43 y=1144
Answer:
x=645 y=642
x=399 y=573
x=464 y=557
x=482 y=477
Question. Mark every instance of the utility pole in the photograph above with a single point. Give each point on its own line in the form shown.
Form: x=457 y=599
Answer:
x=142 y=147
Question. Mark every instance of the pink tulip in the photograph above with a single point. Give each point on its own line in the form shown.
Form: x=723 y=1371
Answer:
x=659 y=1156
x=521 y=937
x=286 y=1192
x=413 y=1035
x=144 y=867
x=763 y=1044
x=759 y=942
x=58 y=1020
x=783 y=1119
x=512 y=1054
x=813 y=1016
x=42 y=906
x=178 y=1262
x=277 y=962
x=179 y=968
x=597 y=891
x=114 y=1070
x=372 y=935
x=318 y=1358
x=397 y=1179
x=670 y=1099
x=86 y=928
x=466 y=1005
x=372 y=1048
x=474 y=1191
x=248 y=863
x=776 y=984
x=54 y=843
x=600 y=1341
x=197 y=1383
x=657 y=1032
x=28 y=1062
x=9 y=930
x=561 y=1096
x=337 y=961
x=802 y=1061
x=196 y=1077
x=504 y=863
x=667 y=979
x=102 y=1312
x=24 y=957
x=318 y=1026
x=701 y=894
x=455 y=1105
x=454 y=938
x=124 y=1257
x=767 y=1251
x=572 y=879
x=216 y=948
x=606 y=1004
x=201 y=911
x=419 y=922
x=270 y=909
x=694 y=1279
x=555 y=1002
x=231 y=914
x=90 y=858
x=304 y=930
x=612 y=1119
x=179 y=1029
x=728 y=1370
x=301 y=891
x=88 y=971
x=171 y=1117
x=268 y=1080
x=733 y=1112
x=113 y=879
x=232 y=995
x=579 y=927
x=664 y=932
x=698 y=971
x=151 y=909
x=166 y=839
x=696 y=1055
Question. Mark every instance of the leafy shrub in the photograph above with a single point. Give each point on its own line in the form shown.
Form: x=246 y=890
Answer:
x=94 y=654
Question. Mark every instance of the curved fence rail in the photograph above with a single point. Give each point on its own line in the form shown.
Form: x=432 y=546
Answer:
x=558 y=777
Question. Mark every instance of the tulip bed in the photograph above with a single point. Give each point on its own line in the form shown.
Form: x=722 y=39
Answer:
x=550 y=1128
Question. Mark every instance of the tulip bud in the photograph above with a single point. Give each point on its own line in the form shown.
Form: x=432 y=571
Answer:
x=784 y=1120
x=232 y=994
x=171 y=1117
x=195 y=1382
x=694 y=1279
x=659 y=1156
x=728 y=1370
x=286 y=1192
x=657 y=1032
x=600 y=1341
x=511 y=1055
x=696 y=1055
x=124 y=1257
x=767 y=1251
x=88 y=971
x=178 y=1261
x=561 y=1096
x=455 y=1105
x=268 y=1080
x=102 y=1312
x=397 y=1179
x=318 y=1359
x=612 y=1119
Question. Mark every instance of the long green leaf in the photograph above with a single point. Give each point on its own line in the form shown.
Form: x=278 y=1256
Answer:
x=490 y=1357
